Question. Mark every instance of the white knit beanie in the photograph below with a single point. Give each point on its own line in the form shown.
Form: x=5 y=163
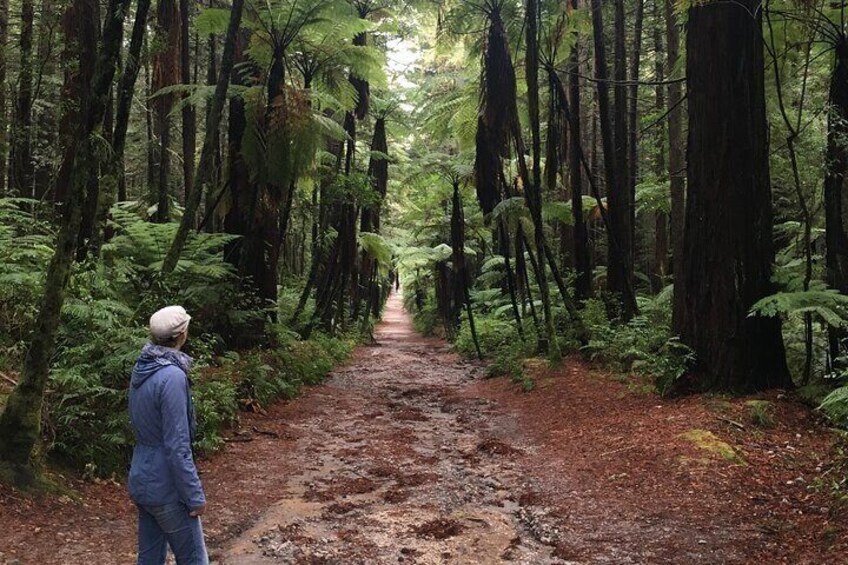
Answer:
x=169 y=322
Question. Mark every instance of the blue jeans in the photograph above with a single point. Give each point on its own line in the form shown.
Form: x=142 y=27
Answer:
x=170 y=525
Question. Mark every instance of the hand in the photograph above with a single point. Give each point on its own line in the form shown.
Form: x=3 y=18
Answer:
x=197 y=511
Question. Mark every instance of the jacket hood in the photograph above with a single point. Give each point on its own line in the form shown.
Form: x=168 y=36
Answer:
x=154 y=357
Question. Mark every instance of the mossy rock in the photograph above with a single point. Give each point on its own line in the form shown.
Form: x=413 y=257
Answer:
x=710 y=442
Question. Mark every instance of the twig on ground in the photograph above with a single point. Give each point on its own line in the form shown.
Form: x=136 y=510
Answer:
x=8 y=379
x=238 y=439
x=266 y=432
x=731 y=422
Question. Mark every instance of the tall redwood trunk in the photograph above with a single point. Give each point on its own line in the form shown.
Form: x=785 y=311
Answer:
x=582 y=260
x=615 y=168
x=659 y=269
x=728 y=248
x=620 y=273
x=676 y=158
x=4 y=115
x=189 y=115
x=533 y=190
x=166 y=72
x=836 y=168
x=21 y=166
x=633 y=120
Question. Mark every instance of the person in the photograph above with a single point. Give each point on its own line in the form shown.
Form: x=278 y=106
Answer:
x=163 y=480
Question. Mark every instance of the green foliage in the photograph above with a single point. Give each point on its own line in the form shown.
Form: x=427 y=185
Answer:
x=216 y=406
x=645 y=345
x=761 y=413
x=653 y=196
x=835 y=406
x=493 y=334
x=499 y=342
x=826 y=303
x=26 y=245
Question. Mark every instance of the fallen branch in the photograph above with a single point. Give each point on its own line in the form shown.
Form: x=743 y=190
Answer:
x=238 y=439
x=8 y=379
x=266 y=432
x=731 y=422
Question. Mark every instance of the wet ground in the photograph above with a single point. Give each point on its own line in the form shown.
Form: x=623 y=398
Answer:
x=399 y=467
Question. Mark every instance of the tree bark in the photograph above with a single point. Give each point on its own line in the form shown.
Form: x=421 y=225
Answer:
x=189 y=114
x=547 y=343
x=21 y=170
x=836 y=167
x=728 y=248
x=582 y=262
x=166 y=72
x=4 y=115
x=633 y=120
x=660 y=262
x=619 y=262
x=676 y=155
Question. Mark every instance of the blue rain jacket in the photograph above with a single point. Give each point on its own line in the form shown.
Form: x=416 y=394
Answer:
x=163 y=421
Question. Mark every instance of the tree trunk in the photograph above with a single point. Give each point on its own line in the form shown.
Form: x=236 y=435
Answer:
x=204 y=167
x=676 y=156
x=619 y=274
x=126 y=92
x=4 y=120
x=582 y=263
x=660 y=262
x=620 y=197
x=21 y=170
x=148 y=123
x=548 y=342
x=633 y=120
x=166 y=72
x=213 y=197
x=836 y=167
x=20 y=422
x=189 y=114
x=78 y=59
x=728 y=248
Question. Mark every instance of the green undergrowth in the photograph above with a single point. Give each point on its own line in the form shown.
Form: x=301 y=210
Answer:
x=259 y=377
x=643 y=351
x=89 y=424
x=103 y=327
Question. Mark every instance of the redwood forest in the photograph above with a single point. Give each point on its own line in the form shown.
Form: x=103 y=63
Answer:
x=447 y=281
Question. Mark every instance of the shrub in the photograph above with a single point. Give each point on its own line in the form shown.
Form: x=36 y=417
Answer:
x=493 y=334
x=644 y=345
x=761 y=413
x=216 y=406
x=86 y=402
x=835 y=406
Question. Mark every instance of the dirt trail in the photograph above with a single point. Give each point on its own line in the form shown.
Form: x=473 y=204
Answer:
x=398 y=467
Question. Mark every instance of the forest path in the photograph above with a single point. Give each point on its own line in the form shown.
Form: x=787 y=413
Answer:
x=398 y=466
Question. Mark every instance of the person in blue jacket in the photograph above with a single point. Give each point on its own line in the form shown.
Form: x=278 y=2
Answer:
x=163 y=480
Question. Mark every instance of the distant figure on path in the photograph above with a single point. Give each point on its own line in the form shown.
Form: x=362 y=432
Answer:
x=163 y=480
